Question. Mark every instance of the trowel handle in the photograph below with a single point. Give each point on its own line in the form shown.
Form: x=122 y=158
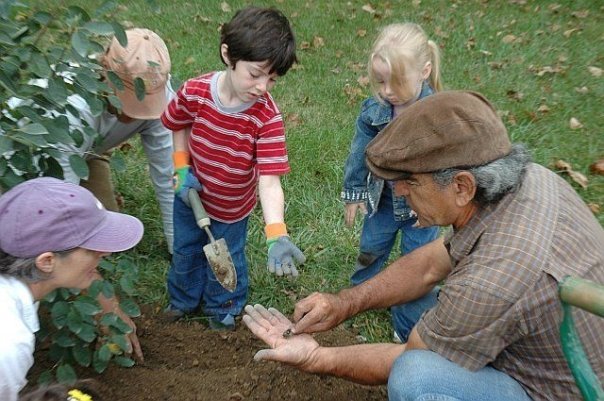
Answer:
x=200 y=214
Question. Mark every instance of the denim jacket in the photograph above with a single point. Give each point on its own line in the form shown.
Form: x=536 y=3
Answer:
x=359 y=183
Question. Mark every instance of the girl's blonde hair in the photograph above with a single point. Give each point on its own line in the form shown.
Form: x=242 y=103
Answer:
x=403 y=48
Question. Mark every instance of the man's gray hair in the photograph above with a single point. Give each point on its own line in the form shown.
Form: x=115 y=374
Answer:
x=25 y=269
x=494 y=180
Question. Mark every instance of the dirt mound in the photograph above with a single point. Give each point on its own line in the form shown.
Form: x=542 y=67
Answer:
x=185 y=361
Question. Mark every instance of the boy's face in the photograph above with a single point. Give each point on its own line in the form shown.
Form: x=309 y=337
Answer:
x=251 y=79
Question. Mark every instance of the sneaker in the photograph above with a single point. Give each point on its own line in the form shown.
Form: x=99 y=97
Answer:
x=395 y=338
x=171 y=314
x=225 y=324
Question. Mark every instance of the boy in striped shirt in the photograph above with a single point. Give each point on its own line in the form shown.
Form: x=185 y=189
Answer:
x=229 y=140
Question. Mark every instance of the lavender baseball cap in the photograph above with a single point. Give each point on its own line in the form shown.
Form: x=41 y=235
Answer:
x=49 y=215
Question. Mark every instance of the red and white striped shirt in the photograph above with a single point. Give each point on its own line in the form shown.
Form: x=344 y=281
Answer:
x=229 y=147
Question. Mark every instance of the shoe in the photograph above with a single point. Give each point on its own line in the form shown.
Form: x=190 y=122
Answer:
x=227 y=323
x=171 y=314
x=395 y=338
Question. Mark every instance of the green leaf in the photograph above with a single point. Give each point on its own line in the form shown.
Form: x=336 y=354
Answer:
x=9 y=179
x=5 y=144
x=80 y=43
x=121 y=341
x=104 y=353
x=45 y=378
x=7 y=84
x=108 y=319
x=58 y=131
x=115 y=80
x=87 y=81
x=108 y=291
x=34 y=129
x=82 y=355
x=139 y=88
x=107 y=266
x=120 y=33
x=42 y=17
x=99 y=28
x=117 y=162
x=64 y=340
x=39 y=66
x=59 y=313
x=130 y=307
x=87 y=333
x=74 y=321
x=57 y=91
x=105 y=8
x=124 y=361
x=127 y=286
x=66 y=374
x=29 y=140
x=86 y=308
x=115 y=101
x=78 y=165
x=98 y=364
x=122 y=326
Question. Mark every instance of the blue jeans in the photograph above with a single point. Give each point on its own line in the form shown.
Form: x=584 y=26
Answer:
x=191 y=279
x=419 y=375
x=379 y=233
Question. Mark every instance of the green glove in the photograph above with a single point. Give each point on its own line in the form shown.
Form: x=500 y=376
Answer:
x=179 y=178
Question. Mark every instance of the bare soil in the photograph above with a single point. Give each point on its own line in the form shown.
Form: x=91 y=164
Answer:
x=185 y=361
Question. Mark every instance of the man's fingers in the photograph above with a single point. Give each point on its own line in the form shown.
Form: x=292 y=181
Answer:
x=280 y=317
x=265 y=355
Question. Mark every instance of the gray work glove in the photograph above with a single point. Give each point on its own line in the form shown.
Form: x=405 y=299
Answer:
x=283 y=256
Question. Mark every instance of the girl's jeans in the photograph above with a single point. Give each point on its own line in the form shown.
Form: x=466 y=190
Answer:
x=190 y=278
x=379 y=233
x=420 y=375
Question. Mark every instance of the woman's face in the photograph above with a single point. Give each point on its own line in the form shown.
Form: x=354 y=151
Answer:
x=76 y=269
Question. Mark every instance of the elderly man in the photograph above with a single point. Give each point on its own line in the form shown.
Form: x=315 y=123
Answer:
x=53 y=235
x=492 y=331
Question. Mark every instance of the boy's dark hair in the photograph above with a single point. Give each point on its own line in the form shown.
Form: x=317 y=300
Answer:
x=260 y=34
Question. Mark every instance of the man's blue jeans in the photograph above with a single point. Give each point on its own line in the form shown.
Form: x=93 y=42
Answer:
x=379 y=234
x=420 y=375
x=190 y=278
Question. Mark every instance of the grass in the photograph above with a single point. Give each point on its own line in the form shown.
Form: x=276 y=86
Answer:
x=522 y=55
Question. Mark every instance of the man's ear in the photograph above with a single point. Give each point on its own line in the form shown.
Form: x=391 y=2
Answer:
x=224 y=53
x=45 y=262
x=464 y=185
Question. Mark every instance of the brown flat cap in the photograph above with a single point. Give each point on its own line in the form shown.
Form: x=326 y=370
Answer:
x=447 y=129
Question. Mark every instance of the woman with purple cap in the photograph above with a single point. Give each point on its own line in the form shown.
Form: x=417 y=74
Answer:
x=53 y=234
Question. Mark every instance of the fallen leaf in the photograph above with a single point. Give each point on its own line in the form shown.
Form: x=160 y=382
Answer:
x=594 y=207
x=569 y=32
x=356 y=67
x=416 y=3
x=582 y=90
x=597 y=167
x=507 y=39
x=543 y=109
x=224 y=6
x=368 y=8
x=562 y=165
x=486 y=53
x=318 y=42
x=190 y=60
x=595 y=71
x=361 y=33
x=471 y=43
x=125 y=147
x=575 y=124
x=554 y=7
x=363 y=81
x=579 y=178
x=304 y=45
x=354 y=93
x=580 y=14
x=515 y=95
x=495 y=65
x=336 y=70
x=339 y=53
x=292 y=120
x=440 y=33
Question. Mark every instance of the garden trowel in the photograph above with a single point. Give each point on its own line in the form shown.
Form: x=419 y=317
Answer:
x=216 y=251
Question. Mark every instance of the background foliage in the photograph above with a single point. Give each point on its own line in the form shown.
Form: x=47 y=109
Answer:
x=539 y=62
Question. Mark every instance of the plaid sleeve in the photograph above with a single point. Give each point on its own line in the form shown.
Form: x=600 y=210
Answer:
x=469 y=326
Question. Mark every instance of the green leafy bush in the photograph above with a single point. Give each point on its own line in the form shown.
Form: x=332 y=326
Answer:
x=59 y=49
x=77 y=331
x=46 y=57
